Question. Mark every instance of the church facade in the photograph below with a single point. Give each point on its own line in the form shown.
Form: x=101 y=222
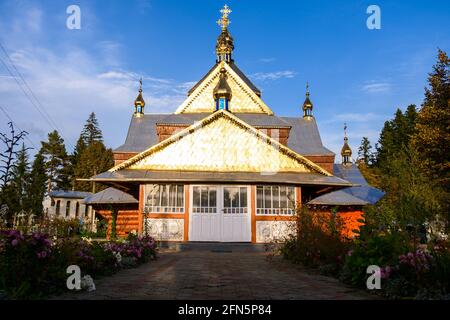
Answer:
x=223 y=167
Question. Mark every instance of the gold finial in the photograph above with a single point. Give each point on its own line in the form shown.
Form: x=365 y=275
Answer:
x=224 y=22
x=140 y=84
x=307 y=88
x=345 y=131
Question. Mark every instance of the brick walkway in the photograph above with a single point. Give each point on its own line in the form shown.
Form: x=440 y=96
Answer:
x=217 y=272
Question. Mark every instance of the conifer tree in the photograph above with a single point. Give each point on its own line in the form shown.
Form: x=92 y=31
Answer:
x=432 y=131
x=91 y=155
x=365 y=151
x=91 y=131
x=56 y=162
x=37 y=185
x=20 y=181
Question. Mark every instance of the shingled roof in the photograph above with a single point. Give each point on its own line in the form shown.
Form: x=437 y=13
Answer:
x=235 y=69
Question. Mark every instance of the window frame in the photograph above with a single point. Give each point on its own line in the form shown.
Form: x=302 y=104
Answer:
x=170 y=194
x=289 y=210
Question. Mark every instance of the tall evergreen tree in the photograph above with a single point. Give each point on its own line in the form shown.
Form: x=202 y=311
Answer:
x=91 y=155
x=56 y=162
x=91 y=131
x=37 y=185
x=365 y=152
x=20 y=180
x=432 y=135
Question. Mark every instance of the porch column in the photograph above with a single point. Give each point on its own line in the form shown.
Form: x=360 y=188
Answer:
x=141 y=210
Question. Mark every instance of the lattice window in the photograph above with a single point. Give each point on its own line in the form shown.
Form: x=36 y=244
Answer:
x=277 y=200
x=204 y=199
x=164 y=198
x=234 y=200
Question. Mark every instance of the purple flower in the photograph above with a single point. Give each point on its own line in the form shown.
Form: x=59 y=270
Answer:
x=15 y=242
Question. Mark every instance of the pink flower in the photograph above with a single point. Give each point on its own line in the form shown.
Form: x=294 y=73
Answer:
x=15 y=242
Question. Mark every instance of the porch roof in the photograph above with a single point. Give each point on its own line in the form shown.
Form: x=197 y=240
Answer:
x=128 y=175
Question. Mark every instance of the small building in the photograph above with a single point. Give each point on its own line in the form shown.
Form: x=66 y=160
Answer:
x=67 y=205
x=113 y=201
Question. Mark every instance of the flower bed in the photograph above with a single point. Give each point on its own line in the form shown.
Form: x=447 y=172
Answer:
x=33 y=265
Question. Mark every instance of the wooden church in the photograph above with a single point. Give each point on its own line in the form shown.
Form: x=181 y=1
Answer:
x=223 y=167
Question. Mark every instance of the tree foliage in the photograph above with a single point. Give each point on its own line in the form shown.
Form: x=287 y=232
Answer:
x=56 y=160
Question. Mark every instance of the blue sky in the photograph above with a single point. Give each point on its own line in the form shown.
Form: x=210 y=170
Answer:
x=356 y=75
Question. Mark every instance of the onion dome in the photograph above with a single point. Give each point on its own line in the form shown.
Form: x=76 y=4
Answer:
x=307 y=105
x=346 y=151
x=139 y=103
x=222 y=91
x=224 y=44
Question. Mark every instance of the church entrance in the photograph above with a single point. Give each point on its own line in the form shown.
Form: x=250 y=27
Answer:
x=220 y=213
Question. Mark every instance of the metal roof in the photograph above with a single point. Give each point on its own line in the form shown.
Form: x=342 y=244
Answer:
x=69 y=194
x=129 y=175
x=110 y=196
x=361 y=195
x=304 y=137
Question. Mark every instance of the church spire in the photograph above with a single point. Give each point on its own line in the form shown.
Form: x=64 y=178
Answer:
x=224 y=44
x=139 y=103
x=307 y=105
x=346 y=151
x=222 y=92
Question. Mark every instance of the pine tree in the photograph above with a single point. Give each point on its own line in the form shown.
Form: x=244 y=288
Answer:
x=432 y=135
x=91 y=131
x=91 y=155
x=37 y=186
x=56 y=162
x=365 y=152
x=20 y=181
x=96 y=158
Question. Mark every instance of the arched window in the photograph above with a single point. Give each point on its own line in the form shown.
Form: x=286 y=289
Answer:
x=67 y=208
x=58 y=207
x=77 y=209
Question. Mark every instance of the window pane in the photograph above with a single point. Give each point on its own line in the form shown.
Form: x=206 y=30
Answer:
x=180 y=196
x=291 y=196
x=212 y=197
x=204 y=197
x=243 y=197
x=196 y=197
x=276 y=196
x=164 y=195
x=267 y=197
x=283 y=198
x=259 y=197
x=226 y=198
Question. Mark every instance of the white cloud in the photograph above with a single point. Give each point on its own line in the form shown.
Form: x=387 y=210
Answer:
x=267 y=60
x=263 y=76
x=376 y=87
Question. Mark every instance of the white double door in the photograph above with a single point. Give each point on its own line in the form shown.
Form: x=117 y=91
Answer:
x=220 y=213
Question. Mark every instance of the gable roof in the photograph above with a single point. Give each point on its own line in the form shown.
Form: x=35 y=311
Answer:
x=236 y=69
x=244 y=97
x=361 y=195
x=209 y=145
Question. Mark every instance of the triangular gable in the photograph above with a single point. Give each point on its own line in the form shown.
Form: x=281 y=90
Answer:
x=244 y=99
x=221 y=142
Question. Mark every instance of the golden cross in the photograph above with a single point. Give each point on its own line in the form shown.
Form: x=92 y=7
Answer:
x=224 y=21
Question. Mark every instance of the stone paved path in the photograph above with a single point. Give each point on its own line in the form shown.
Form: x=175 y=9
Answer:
x=221 y=272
